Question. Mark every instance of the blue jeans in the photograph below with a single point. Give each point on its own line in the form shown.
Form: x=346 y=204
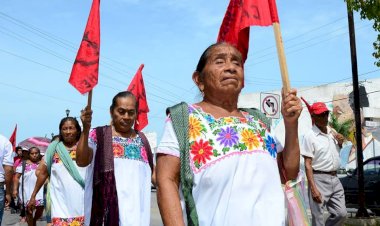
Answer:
x=2 y=202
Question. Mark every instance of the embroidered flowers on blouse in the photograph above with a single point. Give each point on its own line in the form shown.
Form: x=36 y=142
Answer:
x=127 y=148
x=213 y=139
x=73 y=221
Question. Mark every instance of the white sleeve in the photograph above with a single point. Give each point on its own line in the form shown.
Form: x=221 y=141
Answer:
x=307 y=148
x=8 y=157
x=169 y=142
x=279 y=146
x=19 y=169
x=93 y=143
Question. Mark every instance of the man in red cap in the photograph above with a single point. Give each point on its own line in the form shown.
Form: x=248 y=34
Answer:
x=320 y=149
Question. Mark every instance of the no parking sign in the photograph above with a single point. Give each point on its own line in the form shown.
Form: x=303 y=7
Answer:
x=270 y=105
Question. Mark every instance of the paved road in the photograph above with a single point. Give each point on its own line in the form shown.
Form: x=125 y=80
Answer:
x=14 y=219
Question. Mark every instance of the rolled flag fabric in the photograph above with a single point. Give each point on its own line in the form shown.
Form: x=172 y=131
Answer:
x=84 y=74
x=12 y=139
x=308 y=108
x=307 y=105
x=138 y=89
x=240 y=15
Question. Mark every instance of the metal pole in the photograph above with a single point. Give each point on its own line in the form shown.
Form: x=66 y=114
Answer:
x=362 y=211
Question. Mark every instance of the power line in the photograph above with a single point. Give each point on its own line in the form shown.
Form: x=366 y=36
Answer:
x=66 y=73
x=64 y=43
x=340 y=80
x=51 y=52
x=300 y=35
x=58 y=98
x=305 y=47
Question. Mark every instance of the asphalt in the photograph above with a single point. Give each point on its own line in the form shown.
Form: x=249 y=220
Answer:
x=155 y=218
x=14 y=219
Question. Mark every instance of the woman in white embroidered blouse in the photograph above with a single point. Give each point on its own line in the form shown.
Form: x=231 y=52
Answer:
x=232 y=154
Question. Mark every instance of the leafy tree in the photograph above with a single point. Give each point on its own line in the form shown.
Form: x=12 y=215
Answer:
x=343 y=128
x=369 y=9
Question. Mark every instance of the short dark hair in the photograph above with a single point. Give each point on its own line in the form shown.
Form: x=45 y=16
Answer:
x=30 y=149
x=120 y=95
x=206 y=54
x=76 y=123
x=18 y=148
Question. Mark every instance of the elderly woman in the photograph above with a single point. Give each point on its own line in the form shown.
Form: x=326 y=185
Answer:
x=120 y=174
x=216 y=164
x=27 y=172
x=66 y=178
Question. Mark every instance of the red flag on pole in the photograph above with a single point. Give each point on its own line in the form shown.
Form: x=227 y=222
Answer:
x=84 y=74
x=240 y=15
x=12 y=139
x=138 y=89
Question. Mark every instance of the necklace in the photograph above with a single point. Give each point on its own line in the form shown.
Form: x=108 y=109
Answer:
x=128 y=134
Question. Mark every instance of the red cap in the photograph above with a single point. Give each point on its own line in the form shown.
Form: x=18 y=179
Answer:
x=318 y=108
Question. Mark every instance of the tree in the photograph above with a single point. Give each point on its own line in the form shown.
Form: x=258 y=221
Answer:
x=343 y=128
x=369 y=9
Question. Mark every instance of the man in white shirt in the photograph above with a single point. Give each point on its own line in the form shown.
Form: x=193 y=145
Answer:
x=320 y=149
x=6 y=172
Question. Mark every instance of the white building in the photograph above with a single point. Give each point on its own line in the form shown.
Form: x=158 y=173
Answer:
x=337 y=98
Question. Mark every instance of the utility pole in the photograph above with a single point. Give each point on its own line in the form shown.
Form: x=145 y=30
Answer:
x=362 y=211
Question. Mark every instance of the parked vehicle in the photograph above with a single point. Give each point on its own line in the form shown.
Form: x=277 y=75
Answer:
x=371 y=170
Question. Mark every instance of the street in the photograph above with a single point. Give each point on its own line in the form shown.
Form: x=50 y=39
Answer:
x=14 y=219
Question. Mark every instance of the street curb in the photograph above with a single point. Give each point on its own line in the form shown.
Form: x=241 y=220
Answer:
x=371 y=221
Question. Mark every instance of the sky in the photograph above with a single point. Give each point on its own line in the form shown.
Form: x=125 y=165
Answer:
x=39 y=40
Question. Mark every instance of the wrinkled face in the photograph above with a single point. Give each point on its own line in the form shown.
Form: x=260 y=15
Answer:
x=322 y=119
x=69 y=132
x=34 y=155
x=223 y=73
x=124 y=114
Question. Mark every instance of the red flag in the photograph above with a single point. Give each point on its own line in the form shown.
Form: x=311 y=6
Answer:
x=12 y=139
x=138 y=89
x=240 y=15
x=84 y=74
x=308 y=108
x=307 y=105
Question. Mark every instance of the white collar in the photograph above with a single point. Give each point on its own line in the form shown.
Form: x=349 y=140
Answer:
x=317 y=131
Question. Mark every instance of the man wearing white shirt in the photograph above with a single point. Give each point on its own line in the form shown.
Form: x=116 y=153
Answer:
x=320 y=149
x=6 y=169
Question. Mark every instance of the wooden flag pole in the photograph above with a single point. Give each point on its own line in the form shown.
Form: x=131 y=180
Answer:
x=89 y=100
x=281 y=57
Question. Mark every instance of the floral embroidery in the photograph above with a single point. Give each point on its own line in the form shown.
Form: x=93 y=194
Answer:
x=72 y=153
x=118 y=150
x=144 y=155
x=201 y=152
x=39 y=202
x=228 y=137
x=228 y=119
x=194 y=128
x=30 y=167
x=127 y=148
x=73 y=221
x=210 y=119
x=132 y=151
x=249 y=139
x=271 y=146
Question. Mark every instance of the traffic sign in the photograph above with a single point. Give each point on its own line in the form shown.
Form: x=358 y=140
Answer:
x=270 y=105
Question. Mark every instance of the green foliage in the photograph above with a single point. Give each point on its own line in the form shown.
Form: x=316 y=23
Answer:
x=370 y=10
x=342 y=128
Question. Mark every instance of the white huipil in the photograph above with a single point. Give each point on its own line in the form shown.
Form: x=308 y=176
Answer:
x=235 y=174
x=133 y=180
